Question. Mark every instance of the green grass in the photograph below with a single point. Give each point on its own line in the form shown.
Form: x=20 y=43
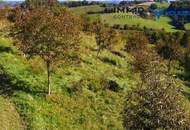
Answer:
x=85 y=9
x=187 y=26
x=130 y=19
x=80 y=99
x=163 y=5
x=9 y=117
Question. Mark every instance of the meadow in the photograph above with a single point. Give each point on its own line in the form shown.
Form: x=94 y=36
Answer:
x=132 y=20
x=126 y=18
x=86 y=9
x=78 y=95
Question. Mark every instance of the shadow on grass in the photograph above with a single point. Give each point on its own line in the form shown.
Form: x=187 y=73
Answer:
x=186 y=94
x=108 y=61
x=5 y=49
x=10 y=84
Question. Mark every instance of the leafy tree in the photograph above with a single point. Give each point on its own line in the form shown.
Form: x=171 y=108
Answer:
x=170 y=49
x=106 y=37
x=40 y=3
x=4 y=12
x=52 y=37
x=136 y=41
x=156 y=105
x=157 y=102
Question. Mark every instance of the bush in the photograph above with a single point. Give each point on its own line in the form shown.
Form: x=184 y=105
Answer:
x=76 y=87
x=116 y=26
x=113 y=86
x=109 y=61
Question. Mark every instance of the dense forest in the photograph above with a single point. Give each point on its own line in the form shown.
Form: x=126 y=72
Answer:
x=60 y=70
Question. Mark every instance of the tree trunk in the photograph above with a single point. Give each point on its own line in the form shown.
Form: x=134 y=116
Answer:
x=169 y=65
x=98 y=52
x=49 y=77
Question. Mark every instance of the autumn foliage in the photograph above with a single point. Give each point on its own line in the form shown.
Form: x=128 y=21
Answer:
x=52 y=36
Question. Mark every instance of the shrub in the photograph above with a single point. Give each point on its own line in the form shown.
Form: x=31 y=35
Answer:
x=109 y=61
x=113 y=86
x=76 y=87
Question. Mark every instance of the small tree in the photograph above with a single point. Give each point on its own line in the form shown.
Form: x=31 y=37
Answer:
x=106 y=37
x=52 y=37
x=100 y=35
x=136 y=41
x=170 y=49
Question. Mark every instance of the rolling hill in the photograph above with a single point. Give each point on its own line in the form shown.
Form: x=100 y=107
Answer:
x=78 y=101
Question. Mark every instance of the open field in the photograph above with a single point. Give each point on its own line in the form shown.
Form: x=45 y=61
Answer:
x=86 y=9
x=127 y=18
x=130 y=19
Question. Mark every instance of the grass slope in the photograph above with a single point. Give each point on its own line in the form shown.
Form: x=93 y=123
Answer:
x=187 y=26
x=127 y=18
x=80 y=99
x=162 y=5
x=130 y=19
x=86 y=9
x=9 y=117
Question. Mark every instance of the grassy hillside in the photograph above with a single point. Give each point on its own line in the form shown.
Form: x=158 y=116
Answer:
x=187 y=26
x=129 y=19
x=163 y=5
x=86 y=96
x=9 y=117
x=85 y=9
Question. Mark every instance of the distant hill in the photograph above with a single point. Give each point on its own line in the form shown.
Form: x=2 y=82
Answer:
x=9 y=3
